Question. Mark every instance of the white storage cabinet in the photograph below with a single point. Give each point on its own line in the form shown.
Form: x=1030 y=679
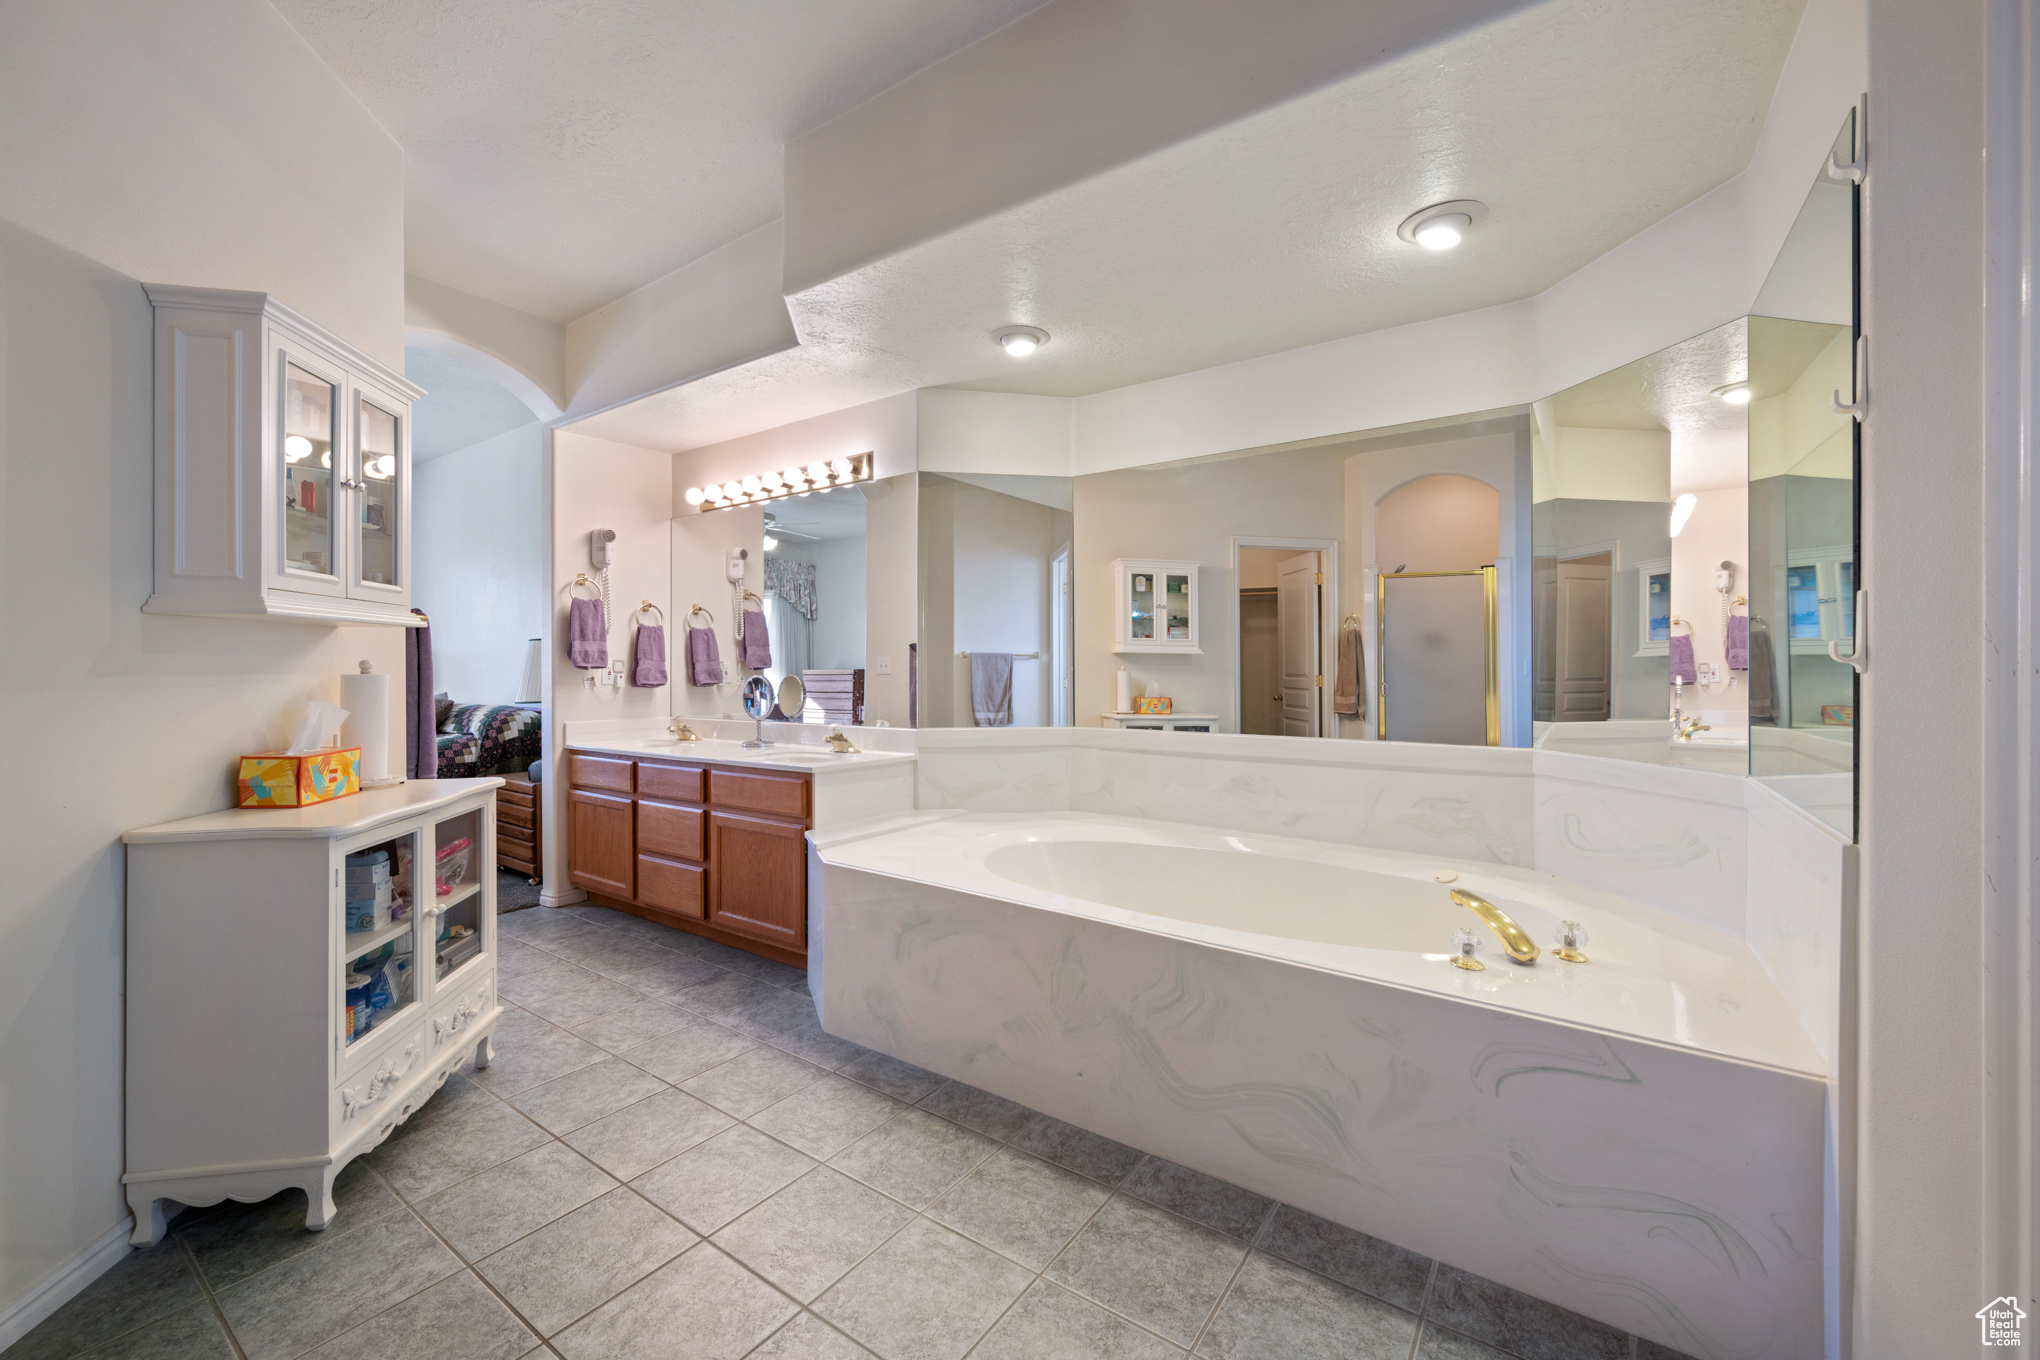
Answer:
x=283 y=466
x=245 y=1074
x=1155 y=606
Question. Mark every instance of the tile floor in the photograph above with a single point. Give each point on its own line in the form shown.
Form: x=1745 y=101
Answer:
x=669 y=1159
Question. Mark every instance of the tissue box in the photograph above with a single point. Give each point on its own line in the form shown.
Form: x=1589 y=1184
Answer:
x=277 y=780
x=1145 y=703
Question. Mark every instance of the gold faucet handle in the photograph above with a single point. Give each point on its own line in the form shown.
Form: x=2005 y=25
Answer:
x=682 y=731
x=840 y=744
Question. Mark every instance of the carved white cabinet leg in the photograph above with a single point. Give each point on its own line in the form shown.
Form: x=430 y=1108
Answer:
x=299 y=982
x=485 y=1052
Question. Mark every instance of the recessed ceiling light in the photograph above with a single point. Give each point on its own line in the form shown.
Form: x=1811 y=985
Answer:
x=1735 y=394
x=1442 y=225
x=1021 y=341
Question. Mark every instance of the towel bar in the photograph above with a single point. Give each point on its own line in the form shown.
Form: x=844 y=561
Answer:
x=1017 y=656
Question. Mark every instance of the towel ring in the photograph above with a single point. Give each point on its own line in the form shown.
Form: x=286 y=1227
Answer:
x=699 y=610
x=581 y=579
x=647 y=604
x=1676 y=621
x=752 y=595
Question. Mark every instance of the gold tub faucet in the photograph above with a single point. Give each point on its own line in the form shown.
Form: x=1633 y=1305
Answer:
x=1515 y=940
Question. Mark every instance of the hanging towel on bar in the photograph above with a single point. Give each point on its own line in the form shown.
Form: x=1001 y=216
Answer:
x=1763 y=680
x=1738 y=645
x=1683 y=668
x=648 y=657
x=1347 y=700
x=704 y=657
x=757 y=644
x=991 y=688
x=587 y=637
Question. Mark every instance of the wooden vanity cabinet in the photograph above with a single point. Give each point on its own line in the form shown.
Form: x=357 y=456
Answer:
x=714 y=850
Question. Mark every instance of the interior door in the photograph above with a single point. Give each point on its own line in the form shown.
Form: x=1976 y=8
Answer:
x=1582 y=658
x=1296 y=615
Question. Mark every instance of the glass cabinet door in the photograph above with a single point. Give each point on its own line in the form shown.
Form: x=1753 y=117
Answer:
x=381 y=471
x=1141 y=626
x=1176 y=604
x=459 y=887
x=307 y=484
x=379 y=897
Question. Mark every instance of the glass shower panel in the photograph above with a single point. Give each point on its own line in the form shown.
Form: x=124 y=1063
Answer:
x=1437 y=648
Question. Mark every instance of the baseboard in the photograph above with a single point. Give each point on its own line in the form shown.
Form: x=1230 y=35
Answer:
x=561 y=897
x=22 y=1316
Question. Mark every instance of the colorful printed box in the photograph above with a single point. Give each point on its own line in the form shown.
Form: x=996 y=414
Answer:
x=277 y=780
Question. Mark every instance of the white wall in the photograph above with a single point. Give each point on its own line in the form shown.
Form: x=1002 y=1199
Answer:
x=482 y=566
x=142 y=141
x=597 y=484
x=701 y=547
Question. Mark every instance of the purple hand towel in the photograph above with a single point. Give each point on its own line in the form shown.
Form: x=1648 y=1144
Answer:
x=648 y=657
x=704 y=657
x=1682 y=661
x=1738 y=642
x=757 y=642
x=587 y=637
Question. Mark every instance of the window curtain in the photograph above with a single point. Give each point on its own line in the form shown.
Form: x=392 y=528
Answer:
x=791 y=627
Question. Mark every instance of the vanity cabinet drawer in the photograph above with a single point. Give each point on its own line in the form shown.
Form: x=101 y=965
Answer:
x=671 y=829
x=674 y=783
x=669 y=886
x=777 y=795
x=600 y=772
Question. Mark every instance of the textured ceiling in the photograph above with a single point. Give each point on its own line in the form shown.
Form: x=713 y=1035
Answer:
x=1578 y=122
x=836 y=513
x=461 y=407
x=560 y=153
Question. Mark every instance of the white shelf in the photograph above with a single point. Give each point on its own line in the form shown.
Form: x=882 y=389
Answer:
x=461 y=893
x=360 y=942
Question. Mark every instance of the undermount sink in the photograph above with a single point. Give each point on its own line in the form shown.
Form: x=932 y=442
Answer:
x=800 y=757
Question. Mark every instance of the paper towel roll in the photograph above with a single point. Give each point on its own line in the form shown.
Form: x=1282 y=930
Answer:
x=1123 y=696
x=366 y=697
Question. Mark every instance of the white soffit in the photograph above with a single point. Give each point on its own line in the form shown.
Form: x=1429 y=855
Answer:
x=461 y=407
x=559 y=154
x=1579 y=122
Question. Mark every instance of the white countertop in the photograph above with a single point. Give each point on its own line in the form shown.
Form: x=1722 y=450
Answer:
x=803 y=757
x=327 y=821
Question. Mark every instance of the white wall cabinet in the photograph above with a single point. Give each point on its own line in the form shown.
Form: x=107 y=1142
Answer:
x=283 y=466
x=268 y=1044
x=1156 y=605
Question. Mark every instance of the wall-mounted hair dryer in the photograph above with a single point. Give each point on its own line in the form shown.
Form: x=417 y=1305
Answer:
x=598 y=545
x=735 y=568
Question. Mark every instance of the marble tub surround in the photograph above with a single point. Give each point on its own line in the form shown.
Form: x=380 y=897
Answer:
x=1659 y=1188
x=1463 y=801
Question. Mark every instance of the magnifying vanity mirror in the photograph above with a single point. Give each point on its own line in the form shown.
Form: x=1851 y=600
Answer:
x=758 y=700
x=792 y=699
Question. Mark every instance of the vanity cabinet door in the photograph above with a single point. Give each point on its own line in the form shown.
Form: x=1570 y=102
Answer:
x=760 y=880
x=600 y=852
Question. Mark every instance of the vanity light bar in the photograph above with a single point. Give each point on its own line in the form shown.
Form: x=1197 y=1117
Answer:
x=793 y=481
